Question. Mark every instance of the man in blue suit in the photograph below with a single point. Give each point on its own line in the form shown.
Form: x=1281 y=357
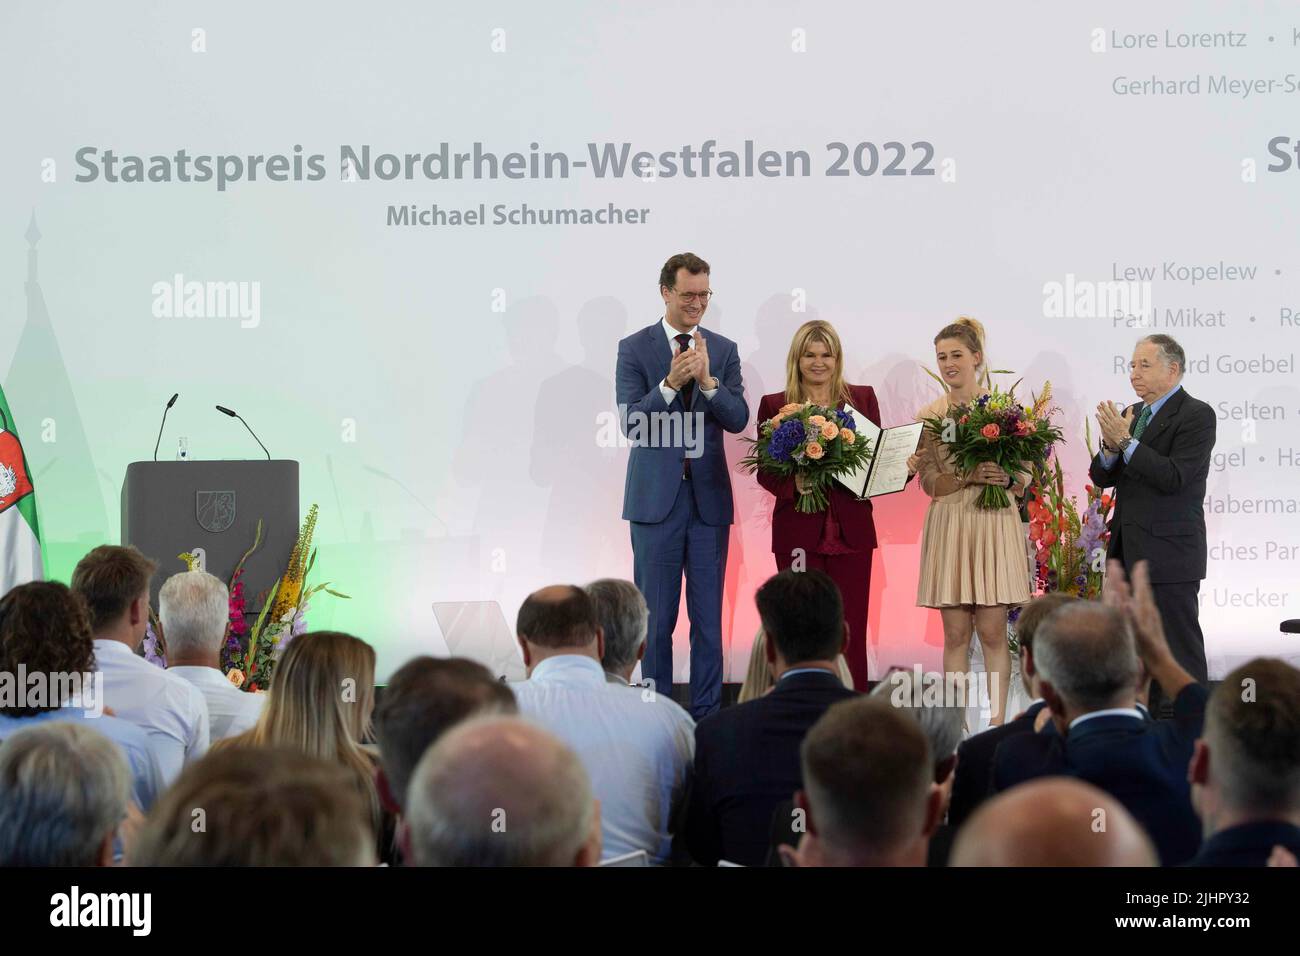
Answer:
x=1087 y=663
x=677 y=391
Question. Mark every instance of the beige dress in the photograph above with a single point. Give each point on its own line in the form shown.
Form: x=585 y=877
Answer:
x=968 y=555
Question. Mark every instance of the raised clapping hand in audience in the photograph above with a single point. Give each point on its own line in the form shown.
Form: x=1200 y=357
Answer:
x=1137 y=602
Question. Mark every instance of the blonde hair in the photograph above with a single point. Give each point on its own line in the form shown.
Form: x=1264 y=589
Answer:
x=816 y=330
x=970 y=333
x=320 y=703
x=758 y=676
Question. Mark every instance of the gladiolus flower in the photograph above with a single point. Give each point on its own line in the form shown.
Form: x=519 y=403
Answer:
x=1107 y=501
x=814 y=450
x=990 y=431
x=1049 y=537
x=830 y=430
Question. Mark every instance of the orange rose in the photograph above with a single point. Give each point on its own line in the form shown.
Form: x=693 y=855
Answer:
x=790 y=409
x=814 y=450
x=235 y=676
x=847 y=436
x=817 y=420
x=990 y=431
x=777 y=419
x=829 y=430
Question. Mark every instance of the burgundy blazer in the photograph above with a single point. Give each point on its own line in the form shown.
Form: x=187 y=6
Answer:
x=792 y=529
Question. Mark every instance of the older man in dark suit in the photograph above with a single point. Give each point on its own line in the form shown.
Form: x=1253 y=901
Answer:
x=1088 y=667
x=1157 y=456
x=747 y=756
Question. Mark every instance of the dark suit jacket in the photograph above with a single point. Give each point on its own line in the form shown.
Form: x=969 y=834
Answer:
x=792 y=529
x=970 y=787
x=1248 y=844
x=747 y=762
x=1141 y=763
x=654 y=474
x=1159 y=494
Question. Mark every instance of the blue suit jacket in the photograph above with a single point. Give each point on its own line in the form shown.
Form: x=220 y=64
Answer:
x=654 y=474
x=1141 y=763
x=1249 y=844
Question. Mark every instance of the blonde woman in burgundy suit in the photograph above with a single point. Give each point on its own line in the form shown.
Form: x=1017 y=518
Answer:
x=840 y=539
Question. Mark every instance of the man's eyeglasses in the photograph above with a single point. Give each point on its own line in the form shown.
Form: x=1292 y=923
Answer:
x=702 y=297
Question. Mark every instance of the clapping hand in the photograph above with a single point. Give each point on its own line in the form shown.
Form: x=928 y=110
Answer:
x=1114 y=427
x=702 y=364
x=1137 y=602
x=683 y=369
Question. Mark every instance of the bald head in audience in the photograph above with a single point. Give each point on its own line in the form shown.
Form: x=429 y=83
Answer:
x=1055 y=821
x=499 y=791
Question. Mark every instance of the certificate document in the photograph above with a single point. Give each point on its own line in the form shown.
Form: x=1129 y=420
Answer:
x=886 y=471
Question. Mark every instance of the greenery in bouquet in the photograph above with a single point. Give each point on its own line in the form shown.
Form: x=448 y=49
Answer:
x=809 y=441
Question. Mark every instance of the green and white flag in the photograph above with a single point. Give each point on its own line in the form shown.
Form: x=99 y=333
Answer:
x=20 y=534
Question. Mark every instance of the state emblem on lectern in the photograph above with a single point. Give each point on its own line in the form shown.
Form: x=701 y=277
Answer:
x=215 y=510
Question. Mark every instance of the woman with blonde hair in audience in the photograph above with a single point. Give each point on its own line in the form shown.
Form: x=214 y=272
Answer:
x=321 y=699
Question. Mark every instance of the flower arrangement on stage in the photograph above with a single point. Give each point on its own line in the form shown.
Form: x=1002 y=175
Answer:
x=812 y=441
x=249 y=654
x=1069 y=546
x=996 y=428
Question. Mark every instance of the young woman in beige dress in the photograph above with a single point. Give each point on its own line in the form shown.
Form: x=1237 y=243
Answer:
x=973 y=564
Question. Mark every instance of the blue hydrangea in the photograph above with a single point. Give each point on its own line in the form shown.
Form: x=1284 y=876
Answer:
x=787 y=437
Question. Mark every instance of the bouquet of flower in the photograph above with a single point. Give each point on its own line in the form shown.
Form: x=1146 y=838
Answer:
x=811 y=441
x=1070 y=548
x=249 y=654
x=996 y=428
x=283 y=613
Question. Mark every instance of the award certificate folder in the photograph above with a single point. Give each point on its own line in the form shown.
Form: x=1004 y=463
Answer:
x=886 y=472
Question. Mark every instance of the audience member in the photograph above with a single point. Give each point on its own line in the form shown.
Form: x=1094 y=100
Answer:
x=271 y=807
x=623 y=617
x=423 y=699
x=975 y=754
x=1088 y=670
x=194 y=608
x=499 y=791
x=758 y=675
x=634 y=743
x=747 y=756
x=1245 y=772
x=45 y=629
x=1053 y=822
x=941 y=721
x=64 y=791
x=869 y=796
x=114 y=583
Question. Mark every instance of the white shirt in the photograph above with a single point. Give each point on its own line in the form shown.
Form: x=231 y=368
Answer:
x=231 y=711
x=665 y=390
x=1108 y=712
x=167 y=707
x=637 y=748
